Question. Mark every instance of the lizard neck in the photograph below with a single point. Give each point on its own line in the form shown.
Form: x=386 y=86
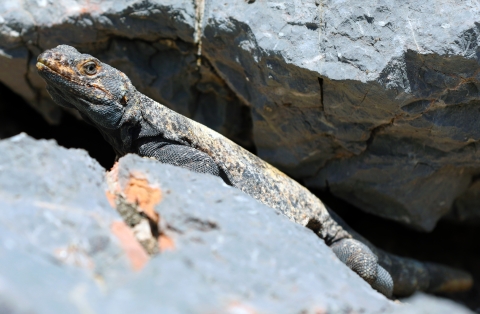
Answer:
x=122 y=137
x=134 y=127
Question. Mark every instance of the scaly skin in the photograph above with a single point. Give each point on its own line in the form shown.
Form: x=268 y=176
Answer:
x=133 y=123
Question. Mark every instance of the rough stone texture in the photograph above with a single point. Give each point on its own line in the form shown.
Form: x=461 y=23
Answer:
x=347 y=95
x=56 y=248
x=242 y=253
x=352 y=95
x=230 y=252
x=427 y=304
x=61 y=252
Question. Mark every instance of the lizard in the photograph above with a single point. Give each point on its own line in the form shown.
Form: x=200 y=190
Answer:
x=133 y=123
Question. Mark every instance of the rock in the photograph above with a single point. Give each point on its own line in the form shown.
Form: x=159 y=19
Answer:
x=346 y=95
x=58 y=248
x=466 y=206
x=63 y=246
x=425 y=304
x=375 y=101
x=251 y=257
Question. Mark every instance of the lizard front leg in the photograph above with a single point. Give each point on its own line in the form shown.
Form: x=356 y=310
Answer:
x=168 y=152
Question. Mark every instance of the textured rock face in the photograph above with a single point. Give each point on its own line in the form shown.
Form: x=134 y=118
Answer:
x=64 y=247
x=55 y=226
x=427 y=304
x=375 y=100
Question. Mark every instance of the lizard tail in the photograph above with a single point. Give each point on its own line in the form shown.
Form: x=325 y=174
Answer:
x=410 y=275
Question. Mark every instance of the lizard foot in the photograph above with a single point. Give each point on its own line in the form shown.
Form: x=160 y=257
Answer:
x=359 y=258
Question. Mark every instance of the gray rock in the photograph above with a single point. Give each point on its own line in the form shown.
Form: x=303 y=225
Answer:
x=374 y=100
x=235 y=252
x=226 y=252
x=57 y=248
x=231 y=252
x=348 y=95
x=425 y=304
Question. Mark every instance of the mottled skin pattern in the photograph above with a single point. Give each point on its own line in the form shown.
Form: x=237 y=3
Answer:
x=133 y=123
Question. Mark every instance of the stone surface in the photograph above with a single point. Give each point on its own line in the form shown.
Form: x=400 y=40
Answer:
x=375 y=100
x=56 y=248
x=425 y=304
x=466 y=206
x=238 y=252
x=64 y=249
x=61 y=247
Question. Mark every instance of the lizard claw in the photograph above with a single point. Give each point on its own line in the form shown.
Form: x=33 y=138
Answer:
x=359 y=258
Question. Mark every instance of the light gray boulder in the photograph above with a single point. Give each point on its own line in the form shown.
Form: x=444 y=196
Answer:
x=230 y=253
x=425 y=304
x=64 y=249
x=57 y=248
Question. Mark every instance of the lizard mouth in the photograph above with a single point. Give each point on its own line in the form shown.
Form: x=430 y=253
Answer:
x=44 y=66
x=41 y=65
x=49 y=69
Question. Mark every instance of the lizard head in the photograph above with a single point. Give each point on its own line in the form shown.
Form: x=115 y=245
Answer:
x=75 y=80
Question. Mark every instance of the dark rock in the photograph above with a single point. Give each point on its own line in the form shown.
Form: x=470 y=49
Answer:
x=151 y=41
x=376 y=102
x=344 y=95
x=466 y=206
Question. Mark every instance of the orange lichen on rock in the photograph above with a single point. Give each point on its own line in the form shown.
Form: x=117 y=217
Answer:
x=165 y=243
x=143 y=197
x=135 y=253
x=111 y=199
x=139 y=192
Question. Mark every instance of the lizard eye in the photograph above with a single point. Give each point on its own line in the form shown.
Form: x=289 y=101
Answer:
x=90 y=68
